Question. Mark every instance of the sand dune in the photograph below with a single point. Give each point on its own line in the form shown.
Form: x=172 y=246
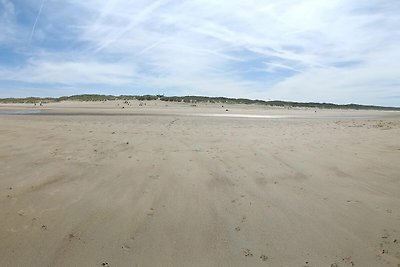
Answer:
x=177 y=190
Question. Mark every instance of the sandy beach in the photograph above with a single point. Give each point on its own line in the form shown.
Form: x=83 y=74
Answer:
x=165 y=184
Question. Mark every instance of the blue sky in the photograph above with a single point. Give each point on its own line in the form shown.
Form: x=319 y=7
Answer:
x=313 y=50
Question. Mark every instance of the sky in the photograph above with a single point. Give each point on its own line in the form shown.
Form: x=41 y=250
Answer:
x=340 y=51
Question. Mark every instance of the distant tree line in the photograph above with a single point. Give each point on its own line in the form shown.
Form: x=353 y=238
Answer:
x=192 y=99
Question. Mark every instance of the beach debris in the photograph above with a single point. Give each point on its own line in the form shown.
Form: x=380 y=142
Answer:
x=226 y=109
x=105 y=264
x=44 y=227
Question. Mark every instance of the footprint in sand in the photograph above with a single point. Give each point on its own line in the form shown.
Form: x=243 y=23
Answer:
x=353 y=201
x=247 y=252
x=150 y=212
x=154 y=177
x=348 y=260
x=264 y=257
x=126 y=246
x=128 y=243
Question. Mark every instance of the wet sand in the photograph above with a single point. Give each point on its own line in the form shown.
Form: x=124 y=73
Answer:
x=161 y=188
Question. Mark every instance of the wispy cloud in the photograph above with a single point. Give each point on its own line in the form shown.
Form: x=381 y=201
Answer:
x=341 y=51
x=7 y=22
x=73 y=72
x=36 y=20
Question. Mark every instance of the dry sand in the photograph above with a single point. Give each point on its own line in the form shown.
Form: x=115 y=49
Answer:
x=152 y=186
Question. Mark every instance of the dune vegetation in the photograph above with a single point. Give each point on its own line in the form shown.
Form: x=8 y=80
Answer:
x=193 y=99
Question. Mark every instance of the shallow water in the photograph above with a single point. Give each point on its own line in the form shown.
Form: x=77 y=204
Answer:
x=19 y=112
x=220 y=115
x=283 y=116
